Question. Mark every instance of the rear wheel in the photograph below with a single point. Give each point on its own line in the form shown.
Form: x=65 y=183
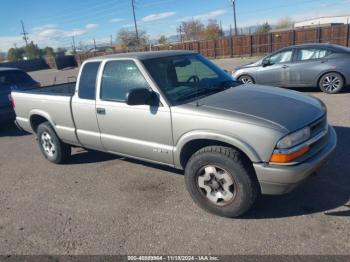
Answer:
x=50 y=145
x=221 y=181
x=331 y=83
x=246 y=79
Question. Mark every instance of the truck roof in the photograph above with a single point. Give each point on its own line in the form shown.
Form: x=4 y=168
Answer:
x=146 y=55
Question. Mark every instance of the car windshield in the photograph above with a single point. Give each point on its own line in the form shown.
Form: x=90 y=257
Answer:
x=185 y=78
x=14 y=77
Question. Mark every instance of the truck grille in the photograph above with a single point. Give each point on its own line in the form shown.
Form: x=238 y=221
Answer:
x=318 y=126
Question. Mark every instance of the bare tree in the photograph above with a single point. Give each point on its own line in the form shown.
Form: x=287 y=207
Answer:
x=191 y=30
x=212 y=30
x=128 y=38
x=284 y=23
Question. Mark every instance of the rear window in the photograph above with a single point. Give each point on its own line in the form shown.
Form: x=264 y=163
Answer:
x=87 y=82
x=14 y=77
x=312 y=54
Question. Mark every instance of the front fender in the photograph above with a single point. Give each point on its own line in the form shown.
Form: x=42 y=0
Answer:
x=210 y=135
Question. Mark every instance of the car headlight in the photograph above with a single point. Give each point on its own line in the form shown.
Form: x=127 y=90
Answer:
x=295 y=138
x=287 y=148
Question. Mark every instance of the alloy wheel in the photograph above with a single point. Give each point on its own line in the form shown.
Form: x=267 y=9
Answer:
x=217 y=185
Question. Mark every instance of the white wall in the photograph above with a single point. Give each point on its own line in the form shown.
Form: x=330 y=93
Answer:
x=323 y=20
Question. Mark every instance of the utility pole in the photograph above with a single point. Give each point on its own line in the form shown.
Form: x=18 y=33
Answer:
x=133 y=12
x=73 y=45
x=180 y=29
x=24 y=33
x=111 y=40
x=234 y=15
x=95 y=44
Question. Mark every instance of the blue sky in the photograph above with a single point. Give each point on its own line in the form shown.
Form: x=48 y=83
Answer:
x=52 y=22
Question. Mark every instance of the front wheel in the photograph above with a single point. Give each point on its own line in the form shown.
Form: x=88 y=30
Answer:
x=221 y=181
x=246 y=79
x=331 y=83
x=50 y=145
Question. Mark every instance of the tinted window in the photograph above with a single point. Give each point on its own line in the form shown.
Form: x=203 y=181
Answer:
x=309 y=54
x=87 y=82
x=14 y=77
x=188 y=77
x=118 y=78
x=281 y=57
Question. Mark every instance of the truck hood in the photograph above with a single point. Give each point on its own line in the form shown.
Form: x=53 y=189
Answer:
x=286 y=109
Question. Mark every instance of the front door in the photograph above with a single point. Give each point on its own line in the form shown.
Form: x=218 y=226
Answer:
x=276 y=72
x=139 y=131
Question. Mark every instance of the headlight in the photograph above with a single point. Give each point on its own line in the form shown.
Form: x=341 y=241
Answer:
x=294 y=138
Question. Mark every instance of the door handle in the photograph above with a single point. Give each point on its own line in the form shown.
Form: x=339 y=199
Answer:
x=100 y=111
x=285 y=66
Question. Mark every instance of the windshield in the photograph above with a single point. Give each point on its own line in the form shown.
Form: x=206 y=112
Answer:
x=188 y=77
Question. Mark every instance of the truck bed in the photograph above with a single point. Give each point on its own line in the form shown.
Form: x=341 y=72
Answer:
x=50 y=102
x=66 y=89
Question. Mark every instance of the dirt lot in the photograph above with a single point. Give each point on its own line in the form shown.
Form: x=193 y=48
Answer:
x=104 y=204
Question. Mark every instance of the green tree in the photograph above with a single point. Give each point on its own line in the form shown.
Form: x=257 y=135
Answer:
x=32 y=51
x=15 y=54
x=163 y=40
x=127 y=38
x=264 y=28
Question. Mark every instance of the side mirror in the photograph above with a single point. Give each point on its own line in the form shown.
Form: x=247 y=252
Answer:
x=266 y=62
x=139 y=96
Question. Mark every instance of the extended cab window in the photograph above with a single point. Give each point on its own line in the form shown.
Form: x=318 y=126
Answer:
x=312 y=53
x=119 y=77
x=87 y=83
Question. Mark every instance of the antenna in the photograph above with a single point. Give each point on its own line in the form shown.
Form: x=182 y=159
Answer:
x=24 y=33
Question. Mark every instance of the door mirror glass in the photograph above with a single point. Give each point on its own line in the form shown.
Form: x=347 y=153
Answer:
x=139 y=96
x=266 y=62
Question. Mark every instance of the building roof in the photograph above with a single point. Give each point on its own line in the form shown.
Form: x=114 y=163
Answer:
x=146 y=55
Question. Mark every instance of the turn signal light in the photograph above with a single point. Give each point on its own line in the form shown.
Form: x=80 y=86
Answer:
x=286 y=158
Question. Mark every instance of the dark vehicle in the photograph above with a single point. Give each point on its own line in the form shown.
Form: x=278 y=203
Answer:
x=12 y=79
x=325 y=66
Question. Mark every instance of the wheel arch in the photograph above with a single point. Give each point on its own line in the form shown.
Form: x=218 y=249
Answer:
x=246 y=74
x=192 y=142
x=38 y=117
x=330 y=71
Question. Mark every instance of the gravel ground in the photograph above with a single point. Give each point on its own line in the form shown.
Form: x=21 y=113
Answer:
x=104 y=204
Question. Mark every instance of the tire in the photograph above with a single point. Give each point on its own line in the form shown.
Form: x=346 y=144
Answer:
x=50 y=145
x=331 y=83
x=240 y=184
x=246 y=79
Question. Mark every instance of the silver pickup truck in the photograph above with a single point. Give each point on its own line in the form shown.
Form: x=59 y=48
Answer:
x=179 y=109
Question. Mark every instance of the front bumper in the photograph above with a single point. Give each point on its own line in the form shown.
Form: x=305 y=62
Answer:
x=279 y=179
